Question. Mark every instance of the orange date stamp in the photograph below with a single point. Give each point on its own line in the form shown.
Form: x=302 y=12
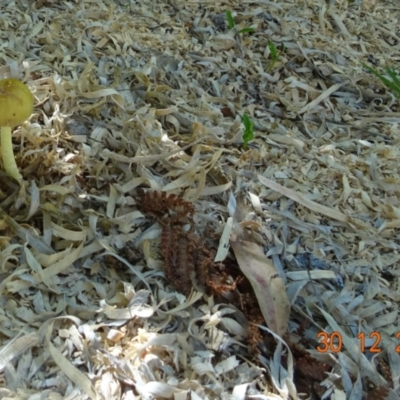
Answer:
x=333 y=342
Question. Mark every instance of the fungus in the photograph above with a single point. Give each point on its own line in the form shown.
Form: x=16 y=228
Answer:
x=16 y=105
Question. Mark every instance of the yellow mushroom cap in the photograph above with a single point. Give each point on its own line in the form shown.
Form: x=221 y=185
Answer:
x=16 y=102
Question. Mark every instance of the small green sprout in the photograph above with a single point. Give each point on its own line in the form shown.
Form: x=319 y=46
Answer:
x=231 y=23
x=393 y=83
x=274 y=53
x=273 y=50
x=248 y=133
x=246 y=30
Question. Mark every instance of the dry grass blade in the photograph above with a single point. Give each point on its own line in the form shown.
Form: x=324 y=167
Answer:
x=25 y=235
x=301 y=199
x=16 y=347
x=268 y=286
x=72 y=372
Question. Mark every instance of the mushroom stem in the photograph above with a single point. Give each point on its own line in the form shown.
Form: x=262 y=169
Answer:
x=7 y=153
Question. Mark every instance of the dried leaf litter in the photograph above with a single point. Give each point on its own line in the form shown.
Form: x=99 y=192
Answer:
x=133 y=96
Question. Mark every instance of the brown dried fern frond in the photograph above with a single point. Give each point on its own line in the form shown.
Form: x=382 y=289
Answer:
x=179 y=264
x=187 y=260
x=165 y=207
x=309 y=372
x=379 y=393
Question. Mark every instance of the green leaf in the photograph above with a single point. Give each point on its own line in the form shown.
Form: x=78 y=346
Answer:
x=246 y=30
x=272 y=49
x=248 y=134
x=393 y=84
x=394 y=77
x=231 y=22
